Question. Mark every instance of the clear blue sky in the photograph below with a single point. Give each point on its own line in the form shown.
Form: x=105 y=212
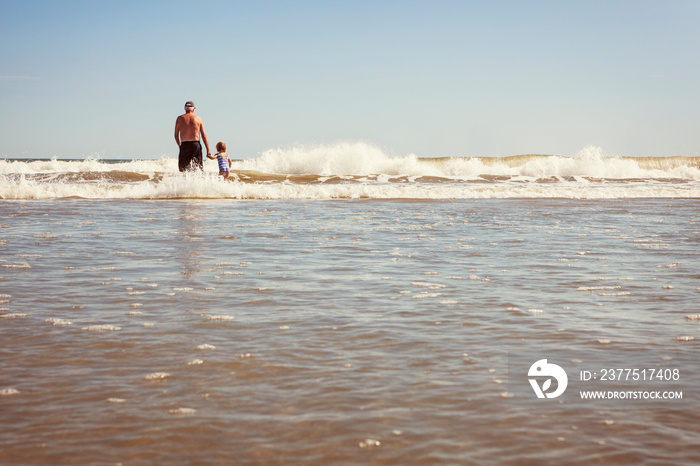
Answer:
x=432 y=77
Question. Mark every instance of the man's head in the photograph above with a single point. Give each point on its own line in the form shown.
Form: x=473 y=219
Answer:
x=189 y=106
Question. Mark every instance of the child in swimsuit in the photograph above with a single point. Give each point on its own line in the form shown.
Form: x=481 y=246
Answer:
x=223 y=159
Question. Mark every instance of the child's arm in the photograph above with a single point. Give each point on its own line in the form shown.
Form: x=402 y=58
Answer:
x=230 y=163
x=211 y=157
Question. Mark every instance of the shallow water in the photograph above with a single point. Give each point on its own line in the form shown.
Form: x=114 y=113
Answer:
x=344 y=332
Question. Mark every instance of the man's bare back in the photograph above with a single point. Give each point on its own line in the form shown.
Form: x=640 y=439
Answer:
x=188 y=128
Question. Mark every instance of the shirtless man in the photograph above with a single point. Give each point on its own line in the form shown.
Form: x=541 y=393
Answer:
x=188 y=128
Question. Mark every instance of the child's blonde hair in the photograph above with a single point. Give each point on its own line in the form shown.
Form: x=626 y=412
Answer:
x=221 y=146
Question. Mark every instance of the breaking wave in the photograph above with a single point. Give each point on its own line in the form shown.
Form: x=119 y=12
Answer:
x=358 y=170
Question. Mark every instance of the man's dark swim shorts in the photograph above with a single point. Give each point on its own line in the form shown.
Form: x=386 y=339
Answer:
x=190 y=156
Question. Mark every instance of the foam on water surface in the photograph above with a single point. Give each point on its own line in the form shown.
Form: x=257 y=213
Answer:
x=157 y=376
x=356 y=171
x=56 y=322
x=101 y=328
x=183 y=411
x=220 y=318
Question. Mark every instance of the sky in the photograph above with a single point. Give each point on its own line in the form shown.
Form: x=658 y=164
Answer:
x=434 y=78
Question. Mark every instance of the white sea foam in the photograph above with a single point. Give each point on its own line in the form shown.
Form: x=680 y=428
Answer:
x=337 y=159
x=685 y=338
x=183 y=411
x=22 y=265
x=364 y=171
x=157 y=376
x=101 y=328
x=599 y=288
x=221 y=318
x=58 y=322
x=425 y=294
x=369 y=443
x=430 y=286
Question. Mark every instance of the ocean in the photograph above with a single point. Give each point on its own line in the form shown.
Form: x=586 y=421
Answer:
x=337 y=305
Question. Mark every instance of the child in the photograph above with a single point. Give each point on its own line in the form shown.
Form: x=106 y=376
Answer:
x=223 y=159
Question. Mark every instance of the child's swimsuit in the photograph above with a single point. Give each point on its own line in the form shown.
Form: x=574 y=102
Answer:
x=223 y=163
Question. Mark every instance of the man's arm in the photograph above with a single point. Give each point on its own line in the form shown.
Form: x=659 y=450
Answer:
x=204 y=137
x=177 y=131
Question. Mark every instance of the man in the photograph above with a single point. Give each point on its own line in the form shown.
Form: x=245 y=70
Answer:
x=188 y=128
